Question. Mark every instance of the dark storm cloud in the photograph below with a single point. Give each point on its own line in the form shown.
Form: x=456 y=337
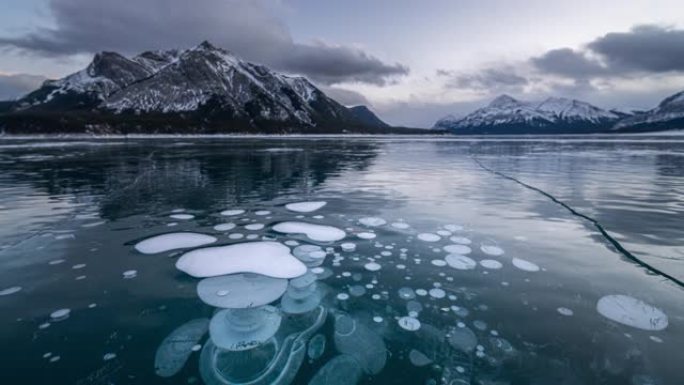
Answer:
x=14 y=86
x=568 y=62
x=645 y=48
x=489 y=79
x=345 y=97
x=247 y=27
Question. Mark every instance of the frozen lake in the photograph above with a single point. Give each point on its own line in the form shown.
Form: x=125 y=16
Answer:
x=342 y=260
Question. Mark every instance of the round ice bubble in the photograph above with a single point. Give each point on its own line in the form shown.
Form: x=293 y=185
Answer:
x=224 y=226
x=409 y=323
x=241 y=290
x=357 y=340
x=525 y=265
x=173 y=241
x=366 y=235
x=632 y=312
x=460 y=262
x=266 y=258
x=494 y=251
x=491 y=264
x=305 y=207
x=372 y=266
x=429 y=237
x=244 y=329
x=10 y=290
x=372 y=221
x=314 y=232
x=230 y=213
x=457 y=249
x=183 y=217
x=341 y=370
x=460 y=240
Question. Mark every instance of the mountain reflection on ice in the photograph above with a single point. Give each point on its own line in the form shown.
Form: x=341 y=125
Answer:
x=400 y=263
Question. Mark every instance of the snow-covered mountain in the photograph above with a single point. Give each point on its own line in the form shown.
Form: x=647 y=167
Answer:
x=507 y=115
x=668 y=115
x=365 y=115
x=202 y=87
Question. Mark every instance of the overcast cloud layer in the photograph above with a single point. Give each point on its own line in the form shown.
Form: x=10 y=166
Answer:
x=247 y=28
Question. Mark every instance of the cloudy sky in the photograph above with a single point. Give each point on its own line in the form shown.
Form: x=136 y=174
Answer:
x=412 y=61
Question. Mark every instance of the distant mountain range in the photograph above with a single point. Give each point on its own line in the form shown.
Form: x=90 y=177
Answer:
x=203 y=89
x=506 y=115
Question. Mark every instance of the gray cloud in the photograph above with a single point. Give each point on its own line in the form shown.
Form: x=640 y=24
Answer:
x=345 y=97
x=647 y=48
x=14 y=86
x=247 y=27
x=495 y=79
x=568 y=62
x=644 y=49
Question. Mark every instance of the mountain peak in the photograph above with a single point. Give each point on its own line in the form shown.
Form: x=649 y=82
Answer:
x=504 y=101
x=206 y=45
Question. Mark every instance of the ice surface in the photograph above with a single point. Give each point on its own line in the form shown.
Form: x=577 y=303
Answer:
x=418 y=359
x=341 y=370
x=632 y=312
x=176 y=348
x=525 y=265
x=460 y=262
x=429 y=237
x=400 y=225
x=314 y=232
x=241 y=290
x=173 y=241
x=244 y=329
x=266 y=258
x=360 y=342
x=457 y=249
x=372 y=221
x=231 y=213
x=305 y=207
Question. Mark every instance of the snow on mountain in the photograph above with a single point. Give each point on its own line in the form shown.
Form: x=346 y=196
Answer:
x=202 y=77
x=669 y=114
x=506 y=114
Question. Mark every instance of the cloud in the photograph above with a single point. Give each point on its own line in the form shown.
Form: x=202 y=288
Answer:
x=247 y=27
x=491 y=80
x=345 y=97
x=648 y=48
x=15 y=86
x=568 y=62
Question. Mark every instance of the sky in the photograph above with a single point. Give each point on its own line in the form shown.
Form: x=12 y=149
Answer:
x=411 y=61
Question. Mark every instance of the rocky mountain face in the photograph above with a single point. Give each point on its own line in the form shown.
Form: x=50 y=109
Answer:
x=507 y=115
x=204 y=89
x=365 y=115
x=668 y=115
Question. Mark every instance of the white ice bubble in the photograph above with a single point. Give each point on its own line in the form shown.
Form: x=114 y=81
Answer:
x=348 y=246
x=372 y=266
x=231 y=213
x=372 y=221
x=437 y=293
x=460 y=240
x=109 y=356
x=305 y=207
x=421 y=292
x=453 y=228
x=366 y=235
x=129 y=274
x=343 y=296
x=491 y=264
x=266 y=258
x=565 y=311
x=183 y=217
x=438 y=262
x=429 y=237
x=244 y=329
x=224 y=226
x=235 y=236
x=460 y=262
x=400 y=225
x=377 y=319
x=494 y=251
x=409 y=323
x=173 y=241
x=525 y=265
x=262 y=212
x=314 y=232
x=60 y=315
x=10 y=290
x=240 y=290
x=457 y=249
x=254 y=226
x=632 y=312
x=419 y=359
